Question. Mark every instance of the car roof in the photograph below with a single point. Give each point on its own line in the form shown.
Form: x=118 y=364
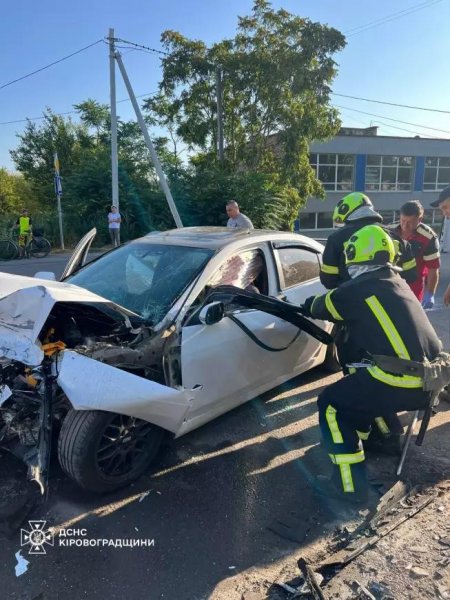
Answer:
x=219 y=237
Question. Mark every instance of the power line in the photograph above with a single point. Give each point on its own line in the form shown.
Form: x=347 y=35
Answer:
x=49 y=65
x=70 y=112
x=418 y=134
x=447 y=112
x=403 y=129
x=383 y=124
x=391 y=17
x=141 y=47
x=391 y=119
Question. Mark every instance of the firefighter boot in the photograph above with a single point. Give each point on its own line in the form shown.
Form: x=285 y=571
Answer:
x=348 y=483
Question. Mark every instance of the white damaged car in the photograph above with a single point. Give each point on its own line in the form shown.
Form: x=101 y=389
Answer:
x=158 y=336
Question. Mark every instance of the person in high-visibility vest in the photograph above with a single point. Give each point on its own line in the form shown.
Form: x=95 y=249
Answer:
x=383 y=318
x=25 y=226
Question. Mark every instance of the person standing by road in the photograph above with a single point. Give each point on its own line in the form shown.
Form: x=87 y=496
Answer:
x=425 y=246
x=114 y=220
x=24 y=225
x=236 y=219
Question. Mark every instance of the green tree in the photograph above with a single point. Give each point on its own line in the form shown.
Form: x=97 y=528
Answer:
x=277 y=72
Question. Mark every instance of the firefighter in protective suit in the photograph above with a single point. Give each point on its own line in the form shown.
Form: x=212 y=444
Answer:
x=382 y=317
x=351 y=213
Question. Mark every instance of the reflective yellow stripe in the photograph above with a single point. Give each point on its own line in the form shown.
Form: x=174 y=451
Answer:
x=352 y=370
x=333 y=426
x=363 y=435
x=409 y=264
x=382 y=425
x=331 y=308
x=402 y=381
x=388 y=327
x=346 y=477
x=347 y=459
x=329 y=269
x=432 y=256
x=312 y=303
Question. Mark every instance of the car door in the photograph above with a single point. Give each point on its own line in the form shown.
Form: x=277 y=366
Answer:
x=79 y=255
x=298 y=267
x=231 y=367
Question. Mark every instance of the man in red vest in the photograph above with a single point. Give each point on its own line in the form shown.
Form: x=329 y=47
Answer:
x=425 y=247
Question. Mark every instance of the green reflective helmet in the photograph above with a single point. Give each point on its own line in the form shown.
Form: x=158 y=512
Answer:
x=370 y=245
x=348 y=204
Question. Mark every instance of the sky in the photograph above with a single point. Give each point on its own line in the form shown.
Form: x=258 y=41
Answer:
x=403 y=60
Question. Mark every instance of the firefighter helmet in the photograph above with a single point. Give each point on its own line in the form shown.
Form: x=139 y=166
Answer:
x=370 y=245
x=348 y=204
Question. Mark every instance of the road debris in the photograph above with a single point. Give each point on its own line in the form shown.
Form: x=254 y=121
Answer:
x=362 y=591
x=311 y=579
x=144 y=495
x=286 y=587
x=418 y=572
x=389 y=514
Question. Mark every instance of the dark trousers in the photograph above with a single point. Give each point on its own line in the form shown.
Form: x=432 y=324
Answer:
x=347 y=409
x=383 y=425
x=114 y=234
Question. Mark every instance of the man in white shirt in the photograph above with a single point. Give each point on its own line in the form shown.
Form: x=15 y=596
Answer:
x=237 y=220
x=114 y=220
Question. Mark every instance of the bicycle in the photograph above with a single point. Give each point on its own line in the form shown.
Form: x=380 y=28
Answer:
x=9 y=249
x=36 y=247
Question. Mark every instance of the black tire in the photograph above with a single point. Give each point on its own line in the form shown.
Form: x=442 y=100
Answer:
x=39 y=248
x=89 y=454
x=8 y=250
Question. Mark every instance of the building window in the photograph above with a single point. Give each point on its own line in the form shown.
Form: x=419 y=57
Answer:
x=437 y=174
x=325 y=220
x=334 y=171
x=388 y=173
x=307 y=220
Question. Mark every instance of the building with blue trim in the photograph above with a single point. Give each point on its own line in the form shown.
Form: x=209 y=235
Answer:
x=390 y=170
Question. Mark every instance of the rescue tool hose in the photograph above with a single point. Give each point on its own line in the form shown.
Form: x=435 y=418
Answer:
x=229 y=294
x=259 y=342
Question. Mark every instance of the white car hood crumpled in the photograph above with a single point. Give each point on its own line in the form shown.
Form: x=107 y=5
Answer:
x=25 y=304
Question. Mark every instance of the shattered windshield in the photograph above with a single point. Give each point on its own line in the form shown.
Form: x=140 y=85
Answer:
x=145 y=278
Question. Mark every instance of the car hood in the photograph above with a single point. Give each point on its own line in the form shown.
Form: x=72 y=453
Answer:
x=25 y=304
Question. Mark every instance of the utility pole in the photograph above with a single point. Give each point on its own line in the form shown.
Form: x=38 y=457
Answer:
x=148 y=141
x=112 y=86
x=219 y=114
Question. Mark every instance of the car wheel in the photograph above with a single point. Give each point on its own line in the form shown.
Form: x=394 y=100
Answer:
x=103 y=451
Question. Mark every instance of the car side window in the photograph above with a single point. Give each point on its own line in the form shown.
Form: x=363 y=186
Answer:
x=246 y=270
x=297 y=265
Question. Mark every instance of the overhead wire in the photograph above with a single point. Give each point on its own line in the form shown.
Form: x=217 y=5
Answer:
x=392 y=119
x=55 y=62
x=392 y=17
x=438 y=110
x=70 y=112
x=141 y=46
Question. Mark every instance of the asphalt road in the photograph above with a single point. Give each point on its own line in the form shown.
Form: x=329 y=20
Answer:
x=233 y=495
x=54 y=263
